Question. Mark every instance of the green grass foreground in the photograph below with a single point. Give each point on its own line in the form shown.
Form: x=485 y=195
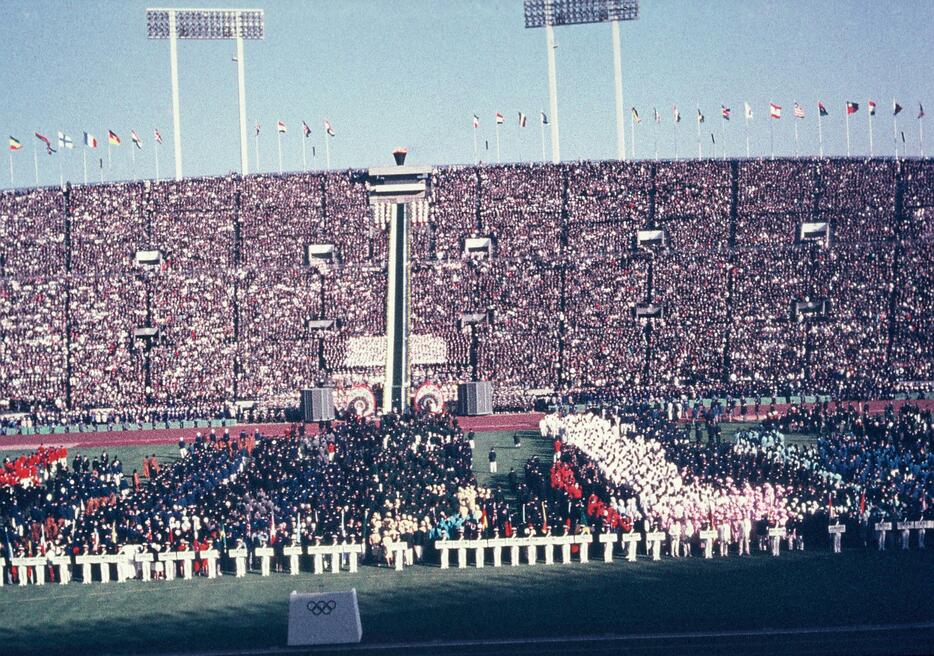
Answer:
x=803 y=589
x=810 y=589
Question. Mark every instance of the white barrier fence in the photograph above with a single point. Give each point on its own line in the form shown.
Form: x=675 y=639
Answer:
x=496 y=552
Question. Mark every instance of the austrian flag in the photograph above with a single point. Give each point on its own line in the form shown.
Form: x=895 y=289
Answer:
x=775 y=111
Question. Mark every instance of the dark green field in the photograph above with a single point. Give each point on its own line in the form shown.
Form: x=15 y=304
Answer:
x=809 y=589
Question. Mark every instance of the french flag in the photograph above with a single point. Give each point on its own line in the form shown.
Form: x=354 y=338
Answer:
x=90 y=140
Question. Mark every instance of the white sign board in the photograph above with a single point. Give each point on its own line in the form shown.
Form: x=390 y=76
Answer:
x=324 y=618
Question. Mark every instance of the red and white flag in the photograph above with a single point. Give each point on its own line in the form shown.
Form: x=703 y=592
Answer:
x=157 y=136
x=476 y=121
x=775 y=111
x=872 y=107
x=305 y=129
x=280 y=126
x=327 y=128
x=499 y=119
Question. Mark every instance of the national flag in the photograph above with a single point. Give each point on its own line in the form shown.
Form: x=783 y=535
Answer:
x=112 y=138
x=872 y=107
x=157 y=136
x=635 y=116
x=64 y=141
x=136 y=139
x=15 y=143
x=851 y=107
x=499 y=119
x=327 y=128
x=306 y=130
x=44 y=139
x=658 y=117
x=748 y=108
x=725 y=112
x=522 y=119
x=675 y=114
x=775 y=111
x=821 y=109
x=700 y=117
x=476 y=121
x=799 y=111
x=90 y=140
x=544 y=118
x=280 y=127
x=920 y=111
x=896 y=108
x=257 y=129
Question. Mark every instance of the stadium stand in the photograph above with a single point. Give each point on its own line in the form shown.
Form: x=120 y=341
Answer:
x=726 y=296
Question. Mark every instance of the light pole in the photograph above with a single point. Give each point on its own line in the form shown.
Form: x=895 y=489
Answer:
x=200 y=25
x=550 y=13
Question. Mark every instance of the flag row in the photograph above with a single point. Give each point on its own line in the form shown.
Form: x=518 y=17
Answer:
x=775 y=112
x=65 y=142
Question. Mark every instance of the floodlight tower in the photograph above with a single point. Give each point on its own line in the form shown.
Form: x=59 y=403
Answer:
x=548 y=13
x=199 y=25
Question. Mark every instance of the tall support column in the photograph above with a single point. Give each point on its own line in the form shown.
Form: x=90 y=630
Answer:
x=241 y=89
x=553 y=92
x=618 y=84
x=176 y=117
x=396 y=386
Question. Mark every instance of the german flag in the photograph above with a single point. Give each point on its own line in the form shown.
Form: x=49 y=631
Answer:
x=112 y=138
x=15 y=144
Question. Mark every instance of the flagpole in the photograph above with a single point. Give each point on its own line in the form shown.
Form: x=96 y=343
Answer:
x=677 y=149
x=895 y=128
x=109 y=160
x=847 y=122
x=723 y=136
x=921 y=134
x=796 y=137
x=256 y=149
x=771 y=138
x=656 y=140
x=697 y=121
x=61 y=173
x=279 y=147
x=327 y=151
x=870 y=132
x=155 y=150
x=12 y=184
x=746 y=119
x=476 y=152
x=304 y=158
x=632 y=134
x=498 y=160
x=820 y=132
x=84 y=154
x=35 y=161
x=544 y=156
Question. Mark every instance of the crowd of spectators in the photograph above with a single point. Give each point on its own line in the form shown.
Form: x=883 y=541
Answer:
x=555 y=300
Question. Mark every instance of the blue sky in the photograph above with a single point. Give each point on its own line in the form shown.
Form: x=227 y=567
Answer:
x=412 y=72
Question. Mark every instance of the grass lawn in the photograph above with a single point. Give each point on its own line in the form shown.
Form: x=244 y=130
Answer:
x=809 y=589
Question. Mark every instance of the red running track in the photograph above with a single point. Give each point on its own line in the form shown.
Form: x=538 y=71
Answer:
x=170 y=436
x=496 y=422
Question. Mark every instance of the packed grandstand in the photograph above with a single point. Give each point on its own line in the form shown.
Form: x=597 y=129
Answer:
x=667 y=297
x=786 y=278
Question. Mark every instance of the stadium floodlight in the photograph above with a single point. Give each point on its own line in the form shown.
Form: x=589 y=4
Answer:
x=203 y=25
x=551 y=13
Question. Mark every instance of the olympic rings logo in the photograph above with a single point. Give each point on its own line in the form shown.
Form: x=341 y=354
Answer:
x=318 y=608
